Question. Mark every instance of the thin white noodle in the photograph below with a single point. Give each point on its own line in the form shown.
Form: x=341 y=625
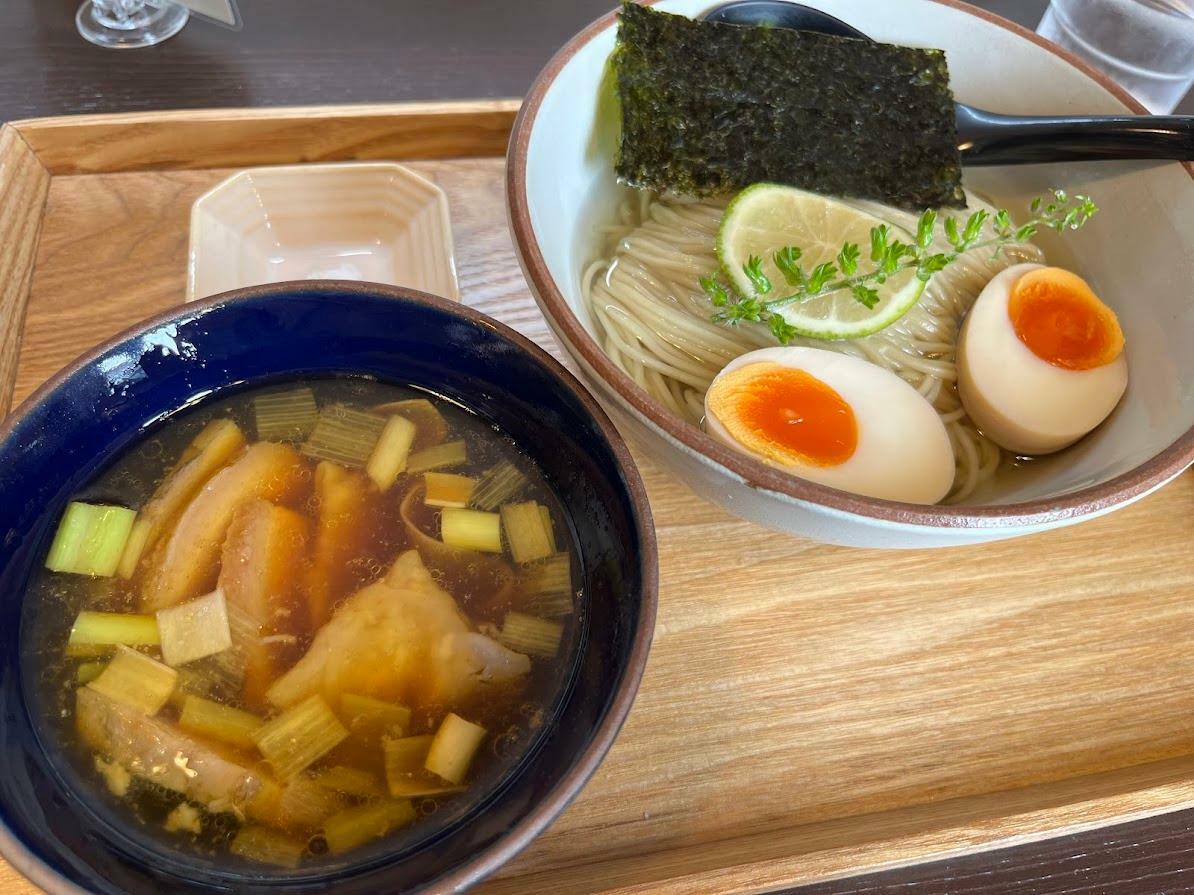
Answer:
x=653 y=321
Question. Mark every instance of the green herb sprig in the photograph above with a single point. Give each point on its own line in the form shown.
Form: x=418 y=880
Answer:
x=1056 y=210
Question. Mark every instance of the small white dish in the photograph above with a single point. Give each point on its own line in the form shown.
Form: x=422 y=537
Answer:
x=372 y=221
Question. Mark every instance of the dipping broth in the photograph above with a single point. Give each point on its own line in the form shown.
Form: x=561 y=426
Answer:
x=296 y=621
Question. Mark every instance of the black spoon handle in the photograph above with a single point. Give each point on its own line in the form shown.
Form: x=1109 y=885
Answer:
x=987 y=138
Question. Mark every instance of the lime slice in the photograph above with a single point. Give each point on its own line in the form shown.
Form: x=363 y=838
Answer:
x=766 y=217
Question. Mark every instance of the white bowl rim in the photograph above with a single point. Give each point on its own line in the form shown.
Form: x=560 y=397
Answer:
x=1120 y=489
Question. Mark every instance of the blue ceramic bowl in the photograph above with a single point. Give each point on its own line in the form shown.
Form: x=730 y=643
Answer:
x=67 y=838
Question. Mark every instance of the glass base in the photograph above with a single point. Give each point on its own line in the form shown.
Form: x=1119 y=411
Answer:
x=106 y=26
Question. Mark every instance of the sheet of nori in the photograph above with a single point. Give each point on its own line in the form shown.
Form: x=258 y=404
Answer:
x=710 y=108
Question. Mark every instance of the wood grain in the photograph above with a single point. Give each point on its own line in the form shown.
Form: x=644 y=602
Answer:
x=808 y=711
x=23 y=187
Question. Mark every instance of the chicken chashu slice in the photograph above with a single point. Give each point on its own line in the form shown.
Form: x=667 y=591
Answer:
x=220 y=781
x=401 y=639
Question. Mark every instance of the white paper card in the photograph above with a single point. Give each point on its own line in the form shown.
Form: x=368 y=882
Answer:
x=222 y=11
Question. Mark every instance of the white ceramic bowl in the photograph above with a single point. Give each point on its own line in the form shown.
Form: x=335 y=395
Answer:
x=373 y=221
x=1137 y=253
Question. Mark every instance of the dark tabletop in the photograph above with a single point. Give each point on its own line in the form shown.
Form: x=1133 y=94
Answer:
x=295 y=52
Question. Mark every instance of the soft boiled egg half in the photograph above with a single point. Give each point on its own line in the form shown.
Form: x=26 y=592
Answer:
x=833 y=419
x=1040 y=359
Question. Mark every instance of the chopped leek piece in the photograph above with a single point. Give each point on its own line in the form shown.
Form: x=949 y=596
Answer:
x=452 y=453
x=269 y=847
x=432 y=428
x=299 y=737
x=389 y=457
x=344 y=435
x=548 y=527
x=88 y=650
x=100 y=628
x=285 y=416
x=369 y=716
x=422 y=786
x=194 y=630
x=549 y=605
x=134 y=679
x=533 y=636
x=134 y=547
x=89 y=671
x=351 y=781
x=406 y=755
x=453 y=748
x=356 y=826
x=552 y=576
x=218 y=721
x=471 y=530
x=90 y=539
x=498 y=485
x=525 y=533
x=442 y=489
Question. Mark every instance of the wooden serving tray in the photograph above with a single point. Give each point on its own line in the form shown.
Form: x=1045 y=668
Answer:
x=808 y=711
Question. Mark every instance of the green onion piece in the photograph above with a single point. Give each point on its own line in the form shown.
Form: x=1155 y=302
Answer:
x=90 y=539
x=498 y=485
x=526 y=535
x=344 y=435
x=89 y=671
x=220 y=722
x=195 y=630
x=109 y=628
x=533 y=636
x=451 y=453
x=369 y=716
x=285 y=416
x=471 y=530
x=354 y=827
x=135 y=679
x=299 y=737
x=350 y=781
x=453 y=748
x=406 y=755
x=389 y=456
x=267 y=846
x=443 y=489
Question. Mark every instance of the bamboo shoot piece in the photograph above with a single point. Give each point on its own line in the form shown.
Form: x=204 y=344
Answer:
x=429 y=422
x=285 y=416
x=262 y=572
x=219 y=722
x=471 y=530
x=443 y=489
x=257 y=843
x=498 y=485
x=299 y=737
x=194 y=630
x=533 y=636
x=136 y=680
x=347 y=508
x=344 y=435
x=354 y=827
x=351 y=781
x=187 y=563
x=110 y=628
x=389 y=457
x=453 y=748
x=440 y=456
x=528 y=538
x=90 y=539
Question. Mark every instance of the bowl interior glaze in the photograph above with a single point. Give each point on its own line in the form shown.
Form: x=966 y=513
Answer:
x=58 y=833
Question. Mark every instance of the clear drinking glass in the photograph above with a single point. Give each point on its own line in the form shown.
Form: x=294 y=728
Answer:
x=123 y=24
x=1147 y=46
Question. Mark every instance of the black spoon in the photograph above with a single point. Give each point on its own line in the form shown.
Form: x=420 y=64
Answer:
x=988 y=138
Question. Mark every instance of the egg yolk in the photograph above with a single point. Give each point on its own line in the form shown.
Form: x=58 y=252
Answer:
x=1057 y=316
x=785 y=414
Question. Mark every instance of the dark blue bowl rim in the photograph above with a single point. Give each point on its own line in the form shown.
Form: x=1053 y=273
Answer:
x=584 y=765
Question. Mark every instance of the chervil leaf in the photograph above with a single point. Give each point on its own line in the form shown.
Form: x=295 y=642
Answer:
x=924 y=228
x=786 y=259
x=820 y=277
x=974 y=226
x=951 y=233
x=865 y=295
x=1026 y=232
x=930 y=265
x=783 y=331
x=716 y=292
x=879 y=237
x=1002 y=222
x=753 y=268
x=847 y=259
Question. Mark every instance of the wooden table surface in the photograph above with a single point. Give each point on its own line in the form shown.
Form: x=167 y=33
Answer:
x=316 y=51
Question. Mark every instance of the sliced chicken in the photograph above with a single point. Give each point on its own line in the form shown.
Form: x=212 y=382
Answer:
x=402 y=639
x=185 y=565
x=261 y=574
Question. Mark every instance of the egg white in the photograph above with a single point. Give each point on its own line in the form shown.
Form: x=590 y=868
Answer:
x=1019 y=401
x=903 y=450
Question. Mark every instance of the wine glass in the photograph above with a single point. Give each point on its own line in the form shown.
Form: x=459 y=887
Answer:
x=123 y=24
